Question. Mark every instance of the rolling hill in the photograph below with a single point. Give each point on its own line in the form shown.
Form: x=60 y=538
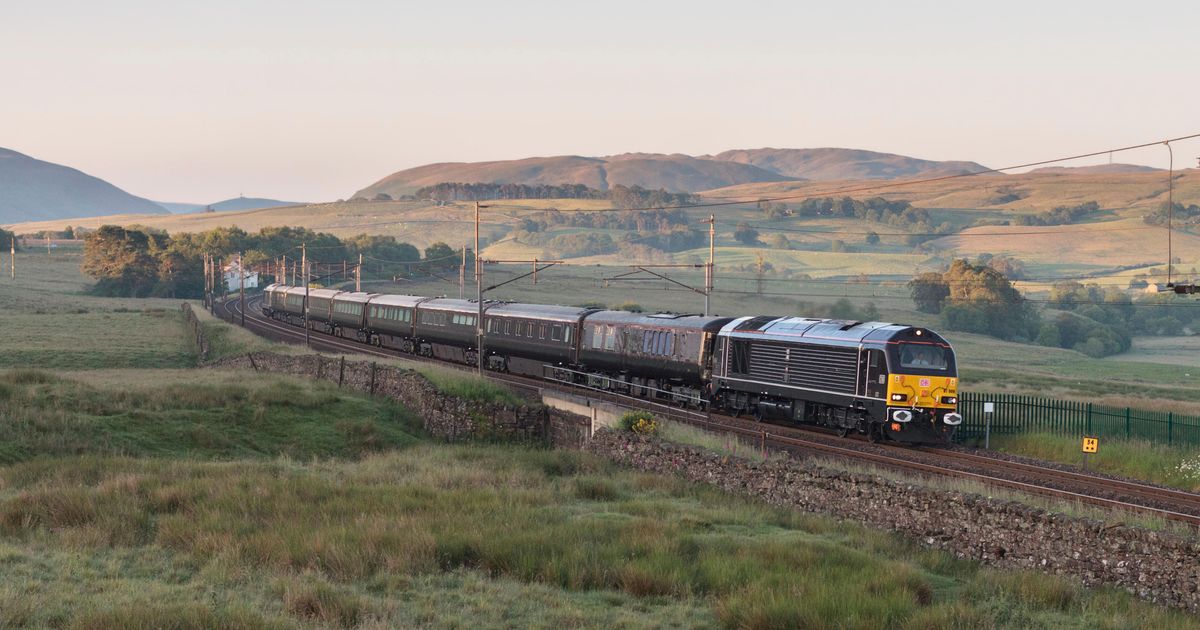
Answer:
x=675 y=173
x=236 y=203
x=834 y=164
x=34 y=190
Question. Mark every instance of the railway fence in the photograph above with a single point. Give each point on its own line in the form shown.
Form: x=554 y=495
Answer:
x=1014 y=414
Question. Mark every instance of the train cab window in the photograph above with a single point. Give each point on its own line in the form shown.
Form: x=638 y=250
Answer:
x=923 y=356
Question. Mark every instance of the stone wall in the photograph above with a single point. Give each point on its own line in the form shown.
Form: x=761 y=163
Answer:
x=198 y=336
x=445 y=416
x=1160 y=567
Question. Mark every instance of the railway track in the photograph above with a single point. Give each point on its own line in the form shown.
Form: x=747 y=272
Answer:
x=1027 y=477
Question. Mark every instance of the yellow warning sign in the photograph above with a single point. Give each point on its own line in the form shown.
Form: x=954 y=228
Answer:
x=1091 y=444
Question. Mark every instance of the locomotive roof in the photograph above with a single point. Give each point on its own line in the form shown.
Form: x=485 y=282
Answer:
x=394 y=299
x=795 y=328
x=665 y=320
x=545 y=312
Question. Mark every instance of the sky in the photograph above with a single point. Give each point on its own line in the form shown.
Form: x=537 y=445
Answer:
x=311 y=101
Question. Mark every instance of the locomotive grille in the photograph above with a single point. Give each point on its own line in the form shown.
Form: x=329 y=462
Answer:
x=815 y=367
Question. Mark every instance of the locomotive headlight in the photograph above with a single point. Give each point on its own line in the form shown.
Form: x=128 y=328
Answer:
x=902 y=415
x=949 y=400
x=952 y=419
x=899 y=397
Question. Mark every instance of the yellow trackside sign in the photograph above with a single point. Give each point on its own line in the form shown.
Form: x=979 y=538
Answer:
x=1091 y=444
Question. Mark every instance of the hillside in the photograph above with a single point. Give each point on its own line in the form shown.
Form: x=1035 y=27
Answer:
x=1097 y=169
x=834 y=164
x=1023 y=192
x=675 y=173
x=34 y=190
x=236 y=203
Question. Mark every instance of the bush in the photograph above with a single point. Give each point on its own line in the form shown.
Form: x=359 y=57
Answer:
x=642 y=422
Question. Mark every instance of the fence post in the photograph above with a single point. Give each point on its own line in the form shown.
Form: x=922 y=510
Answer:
x=342 y=370
x=374 y=367
x=1127 y=423
x=1170 y=425
x=1089 y=419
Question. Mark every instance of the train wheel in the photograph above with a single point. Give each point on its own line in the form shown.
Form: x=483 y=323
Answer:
x=874 y=433
x=843 y=431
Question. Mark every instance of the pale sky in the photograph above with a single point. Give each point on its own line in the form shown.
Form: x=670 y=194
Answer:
x=311 y=101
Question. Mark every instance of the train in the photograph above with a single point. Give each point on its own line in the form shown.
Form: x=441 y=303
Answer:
x=886 y=381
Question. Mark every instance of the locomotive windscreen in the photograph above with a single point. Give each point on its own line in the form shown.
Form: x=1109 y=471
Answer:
x=924 y=356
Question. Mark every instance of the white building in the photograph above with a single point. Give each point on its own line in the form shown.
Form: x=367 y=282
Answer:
x=232 y=282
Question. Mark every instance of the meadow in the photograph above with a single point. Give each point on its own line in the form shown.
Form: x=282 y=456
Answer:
x=191 y=498
x=363 y=523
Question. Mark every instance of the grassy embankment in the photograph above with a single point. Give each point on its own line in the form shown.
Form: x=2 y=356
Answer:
x=267 y=513
x=1177 y=467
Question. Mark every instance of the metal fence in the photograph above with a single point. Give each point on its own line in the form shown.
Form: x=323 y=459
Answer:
x=1015 y=414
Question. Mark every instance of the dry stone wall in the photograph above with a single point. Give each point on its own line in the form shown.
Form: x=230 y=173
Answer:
x=445 y=416
x=198 y=336
x=1157 y=566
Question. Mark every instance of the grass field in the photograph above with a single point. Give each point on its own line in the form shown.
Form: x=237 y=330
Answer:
x=182 y=534
x=1177 y=467
x=49 y=321
x=184 y=498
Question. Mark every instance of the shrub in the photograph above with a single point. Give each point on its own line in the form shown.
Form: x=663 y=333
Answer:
x=642 y=422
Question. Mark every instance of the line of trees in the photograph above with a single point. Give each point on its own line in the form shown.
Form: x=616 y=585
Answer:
x=141 y=262
x=1061 y=215
x=621 y=196
x=901 y=214
x=1088 y=318
x=1183 y=215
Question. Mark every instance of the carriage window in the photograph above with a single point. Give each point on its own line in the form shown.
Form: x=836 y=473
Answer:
x=541 y=331
x=556 y=332
x=610 y=341
x=529 y=329
x=647 y=336
x=567 y=334
x=670 y=344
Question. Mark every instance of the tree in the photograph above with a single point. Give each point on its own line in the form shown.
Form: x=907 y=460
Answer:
x=779 y=241
x=122 y=261
x=872 y=238
x=745 y=234
x=929 y=292
x=441 y=255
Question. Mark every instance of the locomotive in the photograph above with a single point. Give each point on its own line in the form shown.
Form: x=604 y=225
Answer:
x=886 y=381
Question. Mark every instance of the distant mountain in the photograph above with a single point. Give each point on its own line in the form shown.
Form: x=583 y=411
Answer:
x=674 y=172
x=833 y=164
x=237 y=203
x=1098 y=169
x=33 y=190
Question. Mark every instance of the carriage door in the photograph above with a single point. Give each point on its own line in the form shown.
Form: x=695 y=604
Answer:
x=876 y=381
